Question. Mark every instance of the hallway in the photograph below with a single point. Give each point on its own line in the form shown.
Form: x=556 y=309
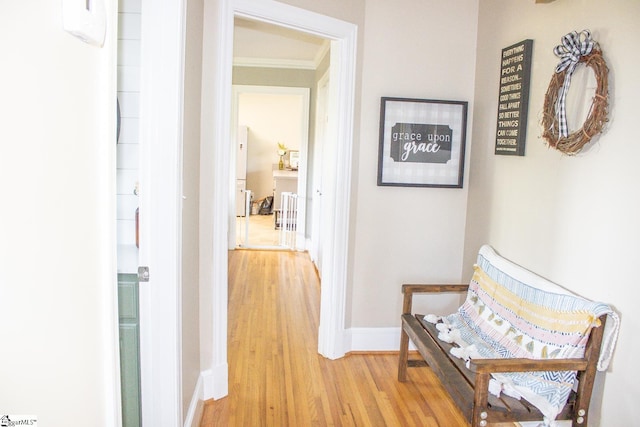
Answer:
x=277 y=377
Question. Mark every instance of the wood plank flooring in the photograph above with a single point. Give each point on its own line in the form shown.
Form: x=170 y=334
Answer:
x=262 y=231
x=277 y=377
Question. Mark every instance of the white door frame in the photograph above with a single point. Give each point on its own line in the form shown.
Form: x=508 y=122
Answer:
x=216 y=134
x=304 y=95
x=161 y=106
x=321 y=121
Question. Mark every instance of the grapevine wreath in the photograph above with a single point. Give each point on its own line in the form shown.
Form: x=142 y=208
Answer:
x=575 y=49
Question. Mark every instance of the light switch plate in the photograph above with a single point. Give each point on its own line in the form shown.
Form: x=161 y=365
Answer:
x=86 y=20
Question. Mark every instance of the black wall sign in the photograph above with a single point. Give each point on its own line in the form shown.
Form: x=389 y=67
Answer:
x=421 y=143
x=513 y=98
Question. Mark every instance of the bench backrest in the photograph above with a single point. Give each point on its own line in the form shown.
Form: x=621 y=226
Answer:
x=519 y=273
x=526 y=314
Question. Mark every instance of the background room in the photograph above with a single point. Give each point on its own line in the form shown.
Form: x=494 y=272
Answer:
x=268 y=118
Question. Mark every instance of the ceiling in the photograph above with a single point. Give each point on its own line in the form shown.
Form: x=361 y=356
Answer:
x=261 y=44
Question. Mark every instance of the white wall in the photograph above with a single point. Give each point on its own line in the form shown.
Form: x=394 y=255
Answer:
x=59 y=325
x=414 y=49
x=571 y=219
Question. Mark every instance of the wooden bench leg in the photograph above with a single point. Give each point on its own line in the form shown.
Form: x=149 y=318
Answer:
x=479 y=414
x=403 y=358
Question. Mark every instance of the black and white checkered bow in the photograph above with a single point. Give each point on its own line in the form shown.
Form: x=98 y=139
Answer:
x=573 y=47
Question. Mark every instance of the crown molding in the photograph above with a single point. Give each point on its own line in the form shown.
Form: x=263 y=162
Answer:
x=298 y=64
x=274 y=63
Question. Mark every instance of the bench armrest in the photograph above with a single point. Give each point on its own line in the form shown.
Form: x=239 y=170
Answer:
x=484 y=367
x=409 y=289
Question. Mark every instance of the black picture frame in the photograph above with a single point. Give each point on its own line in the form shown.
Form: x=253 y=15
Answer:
x=422 y=142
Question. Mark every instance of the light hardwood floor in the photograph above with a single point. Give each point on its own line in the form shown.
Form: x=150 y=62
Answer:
x=262 y=231
x=277 y=377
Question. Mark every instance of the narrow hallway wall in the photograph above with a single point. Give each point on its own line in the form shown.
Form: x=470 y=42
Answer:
x=574 y=219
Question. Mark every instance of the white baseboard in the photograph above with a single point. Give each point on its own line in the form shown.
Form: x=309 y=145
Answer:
x=194 y=413
x=215 y=382
x=212 y=384
x=374 y=339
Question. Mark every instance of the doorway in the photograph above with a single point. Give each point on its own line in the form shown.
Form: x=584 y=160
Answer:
x=268 y=125
x=216 y=185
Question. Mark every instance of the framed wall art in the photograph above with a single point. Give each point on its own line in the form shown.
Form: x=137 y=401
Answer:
x=513 y=98
x=422 y=142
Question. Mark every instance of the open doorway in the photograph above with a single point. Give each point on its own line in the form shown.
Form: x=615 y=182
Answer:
x=215 y=181
x=273 y=65
x=270 y=129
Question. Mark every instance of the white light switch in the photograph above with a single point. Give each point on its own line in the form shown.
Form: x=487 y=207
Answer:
x=86 y=20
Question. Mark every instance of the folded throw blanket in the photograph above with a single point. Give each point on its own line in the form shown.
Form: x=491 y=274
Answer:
x=503 y=317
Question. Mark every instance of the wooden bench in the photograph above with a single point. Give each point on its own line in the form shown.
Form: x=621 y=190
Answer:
x=468 y=387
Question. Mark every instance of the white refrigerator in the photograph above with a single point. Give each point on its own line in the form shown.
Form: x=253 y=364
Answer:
x=241 y=170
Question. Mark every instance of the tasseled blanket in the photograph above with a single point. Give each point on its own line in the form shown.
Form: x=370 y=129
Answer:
x=505 y=318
